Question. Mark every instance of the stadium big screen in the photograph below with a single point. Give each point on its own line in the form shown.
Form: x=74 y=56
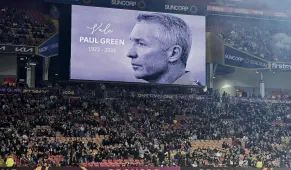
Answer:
x=136 y=46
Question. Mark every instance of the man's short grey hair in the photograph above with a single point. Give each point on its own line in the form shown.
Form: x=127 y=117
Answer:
x=176 y=32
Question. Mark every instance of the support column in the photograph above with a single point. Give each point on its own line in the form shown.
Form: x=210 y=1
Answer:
x=46 y=63
x=262 y=85
x=33 y=75
x=28 y=76
x=211 y=75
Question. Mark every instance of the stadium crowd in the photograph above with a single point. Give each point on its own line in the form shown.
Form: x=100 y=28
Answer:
x=118 y=127
x=24 y=27
x=127 y=129
x=268 y=39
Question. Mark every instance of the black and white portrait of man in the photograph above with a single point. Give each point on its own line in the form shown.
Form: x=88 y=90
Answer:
x=161 y=44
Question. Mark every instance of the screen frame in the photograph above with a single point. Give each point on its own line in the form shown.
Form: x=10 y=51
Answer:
x=141 y=83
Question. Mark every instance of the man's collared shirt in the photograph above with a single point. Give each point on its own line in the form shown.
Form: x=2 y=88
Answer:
x=186 y=79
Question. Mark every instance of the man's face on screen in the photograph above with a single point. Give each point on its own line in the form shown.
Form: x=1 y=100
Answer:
x=148 y=59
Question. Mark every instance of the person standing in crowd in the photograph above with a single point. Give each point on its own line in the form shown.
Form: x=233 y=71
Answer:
x=9 y=162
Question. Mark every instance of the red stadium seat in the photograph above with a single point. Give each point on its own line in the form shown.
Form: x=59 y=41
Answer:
x=96 y=164
x=90 y=164
x=84 y=164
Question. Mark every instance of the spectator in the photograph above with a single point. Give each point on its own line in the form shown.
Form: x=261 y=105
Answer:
x=268 y=39
x=50 y=129
x=24 y=27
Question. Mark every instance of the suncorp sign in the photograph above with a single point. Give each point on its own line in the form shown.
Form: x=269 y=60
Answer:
x=49 y=48
x=236 y=58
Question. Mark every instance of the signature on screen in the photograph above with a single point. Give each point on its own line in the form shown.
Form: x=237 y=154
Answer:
x=101 y=28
